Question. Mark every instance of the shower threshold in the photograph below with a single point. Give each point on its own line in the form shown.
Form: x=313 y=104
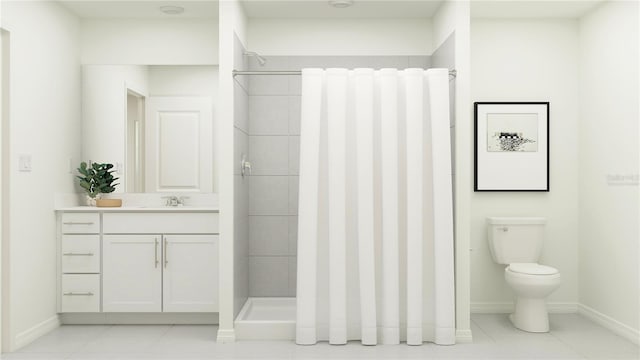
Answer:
x=267 y=318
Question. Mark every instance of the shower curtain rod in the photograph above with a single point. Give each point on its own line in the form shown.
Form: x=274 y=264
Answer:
x=452 y=73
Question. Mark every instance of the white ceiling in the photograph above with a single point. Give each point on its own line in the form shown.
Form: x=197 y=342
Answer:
x=532 y=9
x=321 y=9
x=208 y=9
x=141 y=9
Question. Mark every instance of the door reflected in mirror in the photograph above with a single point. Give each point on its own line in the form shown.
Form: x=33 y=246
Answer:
x=135 y=142
x=154 y=122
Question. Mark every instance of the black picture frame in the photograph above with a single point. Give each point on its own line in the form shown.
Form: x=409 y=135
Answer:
x=506 y=161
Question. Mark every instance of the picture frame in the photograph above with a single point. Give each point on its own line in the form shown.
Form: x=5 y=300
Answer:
x=511 y=146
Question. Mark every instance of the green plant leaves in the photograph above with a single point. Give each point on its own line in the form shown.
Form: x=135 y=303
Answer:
x=97 y=179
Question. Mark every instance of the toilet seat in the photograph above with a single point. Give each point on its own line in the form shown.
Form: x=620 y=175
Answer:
x=532 y=269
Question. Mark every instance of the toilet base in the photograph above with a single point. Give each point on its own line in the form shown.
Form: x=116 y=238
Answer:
x=531 y=315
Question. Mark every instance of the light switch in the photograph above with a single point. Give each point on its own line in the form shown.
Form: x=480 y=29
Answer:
x=24 y=163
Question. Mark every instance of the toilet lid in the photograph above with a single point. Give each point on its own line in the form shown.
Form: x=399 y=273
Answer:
x=532 y=269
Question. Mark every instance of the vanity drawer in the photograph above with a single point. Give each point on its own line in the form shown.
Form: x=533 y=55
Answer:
x=80 y=293
x=160 y=223
x=80 y=223
x=80 y=254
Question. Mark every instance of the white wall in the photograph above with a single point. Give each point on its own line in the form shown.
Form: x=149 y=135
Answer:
x=529 y=60
x=183 y=81
x=232 y=23
x=444 y=23
x=451 y=24
x=45 y=123
x=288 y=37
x=609 y=139
x=149 y=42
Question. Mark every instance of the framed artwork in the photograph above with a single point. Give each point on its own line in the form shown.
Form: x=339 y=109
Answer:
x=511 y=146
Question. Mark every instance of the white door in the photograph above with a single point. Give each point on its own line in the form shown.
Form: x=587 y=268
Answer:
x=179 y=144
x=190 y=273
x=132 y=273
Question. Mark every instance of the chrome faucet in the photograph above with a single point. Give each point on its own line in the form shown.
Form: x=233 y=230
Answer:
x=174 y=200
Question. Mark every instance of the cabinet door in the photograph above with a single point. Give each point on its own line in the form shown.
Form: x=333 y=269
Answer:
x=132 y=273
x=190 y=273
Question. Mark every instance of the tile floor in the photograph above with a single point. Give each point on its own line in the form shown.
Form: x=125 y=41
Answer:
x=572 y=337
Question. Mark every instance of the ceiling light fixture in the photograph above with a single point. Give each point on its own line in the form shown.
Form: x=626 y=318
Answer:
x=172 y=10
x=341 y=4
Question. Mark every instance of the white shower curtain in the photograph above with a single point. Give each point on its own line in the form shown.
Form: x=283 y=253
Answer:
x=375 y=228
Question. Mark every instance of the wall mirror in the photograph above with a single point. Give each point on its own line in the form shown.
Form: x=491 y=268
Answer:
x=154 y=123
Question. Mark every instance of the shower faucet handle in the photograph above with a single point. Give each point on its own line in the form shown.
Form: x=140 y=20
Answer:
x=245 y=166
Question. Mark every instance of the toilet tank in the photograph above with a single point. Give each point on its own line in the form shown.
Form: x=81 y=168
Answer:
x=515 y=239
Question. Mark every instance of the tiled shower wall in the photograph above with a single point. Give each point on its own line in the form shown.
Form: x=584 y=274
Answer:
x=274 y=141
x=241 y=183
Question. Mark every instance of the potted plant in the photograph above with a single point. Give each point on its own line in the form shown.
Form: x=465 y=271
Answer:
x=96 y=180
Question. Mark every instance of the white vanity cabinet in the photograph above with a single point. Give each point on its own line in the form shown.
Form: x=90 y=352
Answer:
x=132 y=273
x=160 y=262
x=114 y=261
x=79 y=262
x=190 y=278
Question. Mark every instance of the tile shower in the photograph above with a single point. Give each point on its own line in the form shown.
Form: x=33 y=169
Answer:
x=273 y=140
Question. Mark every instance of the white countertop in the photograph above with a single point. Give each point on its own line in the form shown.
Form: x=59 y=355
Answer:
x=140 y=209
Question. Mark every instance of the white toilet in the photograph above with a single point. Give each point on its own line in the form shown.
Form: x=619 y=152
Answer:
x=517 y=242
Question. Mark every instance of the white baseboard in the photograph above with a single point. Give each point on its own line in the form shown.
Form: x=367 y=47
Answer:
x=508 y=307
x=464 y=336
x=34 y=332
x=226 y=336
x=139 y=318
x=610 y=323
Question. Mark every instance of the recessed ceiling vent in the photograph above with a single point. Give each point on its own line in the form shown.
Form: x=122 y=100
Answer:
x=341 y=4
x=172 y=10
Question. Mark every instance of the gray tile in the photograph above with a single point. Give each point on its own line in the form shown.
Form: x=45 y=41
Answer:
x=295 y=84
x=240 y=62
x=241 y=200
x=269 y=235
x=55 y=344
x=500 y=328
x=590 y=339
x=240 y=147
x=268 y=195
x=381 y=62
x=293 y=235
x=268 y=276
x=303 y=62
x=32 y=356
x=294 y=115
x=294 y=155
x=269 y=155
x=272 y=63
x=269 y=84
x=423 y=62
x=241 y=108
x=136 y=331
x=268 y=115
x=115 y=345
x=293 y=195
x=572 y=337
x=349 y=62
x=293 y=268
x=452 y=134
